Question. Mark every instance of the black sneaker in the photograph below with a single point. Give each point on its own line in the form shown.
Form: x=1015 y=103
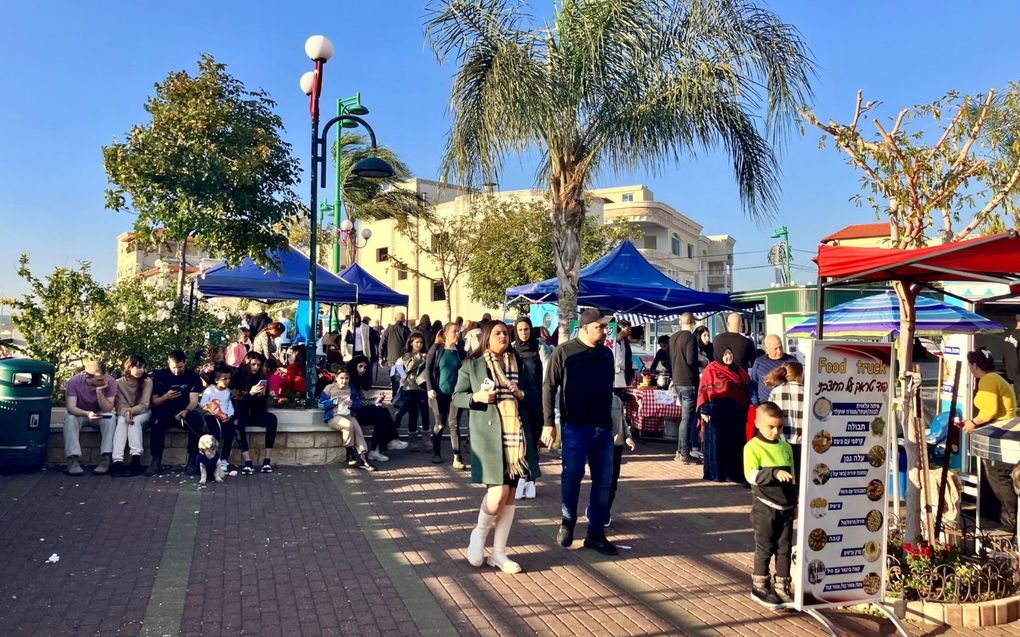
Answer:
x=364 y=465
x=352 y=458
x=437 y=458
x=267 y=467
x=118 y=470
x=686 y=459
x=761 y=592
x=600 y=544
x=248 y=469
x=565 y=536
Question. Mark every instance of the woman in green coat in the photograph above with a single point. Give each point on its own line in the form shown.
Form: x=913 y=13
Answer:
x=493 y=385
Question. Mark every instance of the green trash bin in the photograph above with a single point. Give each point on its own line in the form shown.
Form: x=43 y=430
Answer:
x=26 y=397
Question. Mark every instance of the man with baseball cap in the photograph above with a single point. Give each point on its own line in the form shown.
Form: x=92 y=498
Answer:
x=582 y=371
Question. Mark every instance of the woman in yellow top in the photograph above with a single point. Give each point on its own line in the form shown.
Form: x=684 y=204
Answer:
x=994 y=401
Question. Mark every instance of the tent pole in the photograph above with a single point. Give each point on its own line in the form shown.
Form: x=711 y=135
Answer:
x=820 y=316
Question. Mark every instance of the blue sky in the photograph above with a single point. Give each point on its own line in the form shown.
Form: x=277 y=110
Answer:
x=75 y=75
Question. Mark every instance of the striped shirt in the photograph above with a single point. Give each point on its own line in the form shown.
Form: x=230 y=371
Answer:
x=790 y=398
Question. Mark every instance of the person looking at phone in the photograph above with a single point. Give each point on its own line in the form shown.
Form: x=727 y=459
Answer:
x=250 y=392
x=582 y=370
x=90 y=401
x=176 y=391
x=493 y=385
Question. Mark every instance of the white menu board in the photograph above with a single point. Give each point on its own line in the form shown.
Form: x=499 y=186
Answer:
x=841 y=536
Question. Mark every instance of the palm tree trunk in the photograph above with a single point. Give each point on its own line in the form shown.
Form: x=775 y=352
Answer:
x=568 y=212
x=907 y=295
x=182 y=263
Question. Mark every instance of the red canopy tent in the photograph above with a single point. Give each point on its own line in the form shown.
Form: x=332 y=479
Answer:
x=995 y=259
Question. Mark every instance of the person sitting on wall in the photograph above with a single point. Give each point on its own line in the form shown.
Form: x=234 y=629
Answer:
x=90 y=401
x=176 y=392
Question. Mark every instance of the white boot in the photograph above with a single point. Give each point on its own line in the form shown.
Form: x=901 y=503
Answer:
x=479 y=535
x=521 y=486
x=499 y=538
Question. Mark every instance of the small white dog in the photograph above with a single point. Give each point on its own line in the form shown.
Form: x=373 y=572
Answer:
x=209 y=459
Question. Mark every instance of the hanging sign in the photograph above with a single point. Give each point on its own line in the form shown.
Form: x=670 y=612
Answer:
x=841 y=539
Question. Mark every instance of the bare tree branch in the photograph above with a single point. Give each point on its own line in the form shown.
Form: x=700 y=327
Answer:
x=992 y=204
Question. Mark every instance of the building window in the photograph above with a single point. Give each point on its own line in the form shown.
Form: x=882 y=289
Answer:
x=675 y=244
x=650 y=242
x=382 y=254
x=438 y=293
x=690 y=250
x=401 y=275
x=629 y=197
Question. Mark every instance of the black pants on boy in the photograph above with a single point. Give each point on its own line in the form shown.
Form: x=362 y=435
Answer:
x=617 y=462
x=163 y=420
x=773 y=535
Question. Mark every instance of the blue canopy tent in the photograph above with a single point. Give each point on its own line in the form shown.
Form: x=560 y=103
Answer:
x=371 y=291
x=625 y=282
x=290 y=282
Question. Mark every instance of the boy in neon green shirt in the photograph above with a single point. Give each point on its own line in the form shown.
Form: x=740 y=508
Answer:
x=768 y=466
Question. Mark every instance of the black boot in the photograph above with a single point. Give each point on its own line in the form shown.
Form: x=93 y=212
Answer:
x=135 y=467
x=437 y=442
x=155 y=467
x=191 y=468
x=761 y=592
x=117 y=470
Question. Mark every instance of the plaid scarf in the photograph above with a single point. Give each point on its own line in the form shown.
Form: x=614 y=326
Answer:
x=503 y=370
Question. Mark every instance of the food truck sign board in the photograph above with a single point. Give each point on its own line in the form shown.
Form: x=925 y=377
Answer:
x=841 y=539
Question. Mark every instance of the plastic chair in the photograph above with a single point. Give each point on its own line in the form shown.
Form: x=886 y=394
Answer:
x=939 y=429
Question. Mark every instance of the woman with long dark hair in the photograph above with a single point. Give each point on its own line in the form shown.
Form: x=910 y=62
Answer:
x=534 y=354
x=722 y=403
x=413 y=396
x=994 y=401
x=493 y=384
x=134 y=391
x=250 y=393
x=367 y=407
x=442 y=366
x=425 y=329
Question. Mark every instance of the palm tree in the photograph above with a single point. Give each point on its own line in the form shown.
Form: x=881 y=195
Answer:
x=373 y=199
x=617 y=84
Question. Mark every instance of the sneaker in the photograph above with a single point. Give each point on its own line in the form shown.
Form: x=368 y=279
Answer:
x=396 y=445
x=224 y=465
x=609 y=520
x=135 y=468
x=601 y=545
x=458 y=464
x=74 y=467
x=352 y=458
x=104 y=465
x=363 y=464
x=761 y=592
x=565 y=536
x=248 y=469
x=376 y=456
x=529 y=491
x=118 y=470
x=696 y=453
x=437 y=458
x=519 y=494
x=267 y=467
x=686 y=459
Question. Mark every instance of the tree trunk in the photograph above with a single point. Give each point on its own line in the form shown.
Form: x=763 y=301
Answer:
x=182 y=264
x=907 y=295
x=568 y=219
x=448 y=292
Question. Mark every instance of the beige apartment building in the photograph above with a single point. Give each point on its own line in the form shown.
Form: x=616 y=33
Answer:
x=672 y=242
x=133 y=259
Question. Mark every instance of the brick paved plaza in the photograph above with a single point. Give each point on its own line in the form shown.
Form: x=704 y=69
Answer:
x=331 y=551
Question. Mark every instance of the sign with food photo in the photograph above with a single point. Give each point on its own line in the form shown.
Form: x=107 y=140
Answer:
x=841 y=535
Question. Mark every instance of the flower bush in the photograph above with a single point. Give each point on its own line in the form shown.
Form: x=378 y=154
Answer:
x=941 y=572
x=69 y=317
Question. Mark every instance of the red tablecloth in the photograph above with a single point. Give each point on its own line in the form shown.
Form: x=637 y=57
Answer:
x=648 y=408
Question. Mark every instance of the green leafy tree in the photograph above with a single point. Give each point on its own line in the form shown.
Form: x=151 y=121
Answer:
x=958 y=166
x=617 y=85
x=373 y=199
x=515 y=246
x=446 y=242
x=209 y=167
x=68 y=318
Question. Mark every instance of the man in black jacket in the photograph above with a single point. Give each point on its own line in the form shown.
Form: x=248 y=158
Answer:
x=742 y=347
x=683 y=353
x=581 y=371
x=391 y=348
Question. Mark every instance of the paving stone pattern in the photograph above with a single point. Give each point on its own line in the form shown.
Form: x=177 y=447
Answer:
x=335 y=551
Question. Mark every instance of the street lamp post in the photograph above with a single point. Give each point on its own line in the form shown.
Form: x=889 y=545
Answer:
x=320 y=50
x=347 y=235
x=783 y=233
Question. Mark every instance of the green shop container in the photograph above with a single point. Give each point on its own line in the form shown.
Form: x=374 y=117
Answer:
x=26 y=397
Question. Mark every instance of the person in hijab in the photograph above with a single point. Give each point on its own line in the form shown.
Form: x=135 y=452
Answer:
x=722 y=403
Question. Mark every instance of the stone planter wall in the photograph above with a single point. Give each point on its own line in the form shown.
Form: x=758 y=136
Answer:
x=995 y=613
x=302 y=439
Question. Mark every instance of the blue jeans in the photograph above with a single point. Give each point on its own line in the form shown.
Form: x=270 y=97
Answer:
x=685 y=394
x=594 y=446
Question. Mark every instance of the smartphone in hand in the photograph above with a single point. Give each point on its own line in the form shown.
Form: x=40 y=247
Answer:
x=488 y=384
